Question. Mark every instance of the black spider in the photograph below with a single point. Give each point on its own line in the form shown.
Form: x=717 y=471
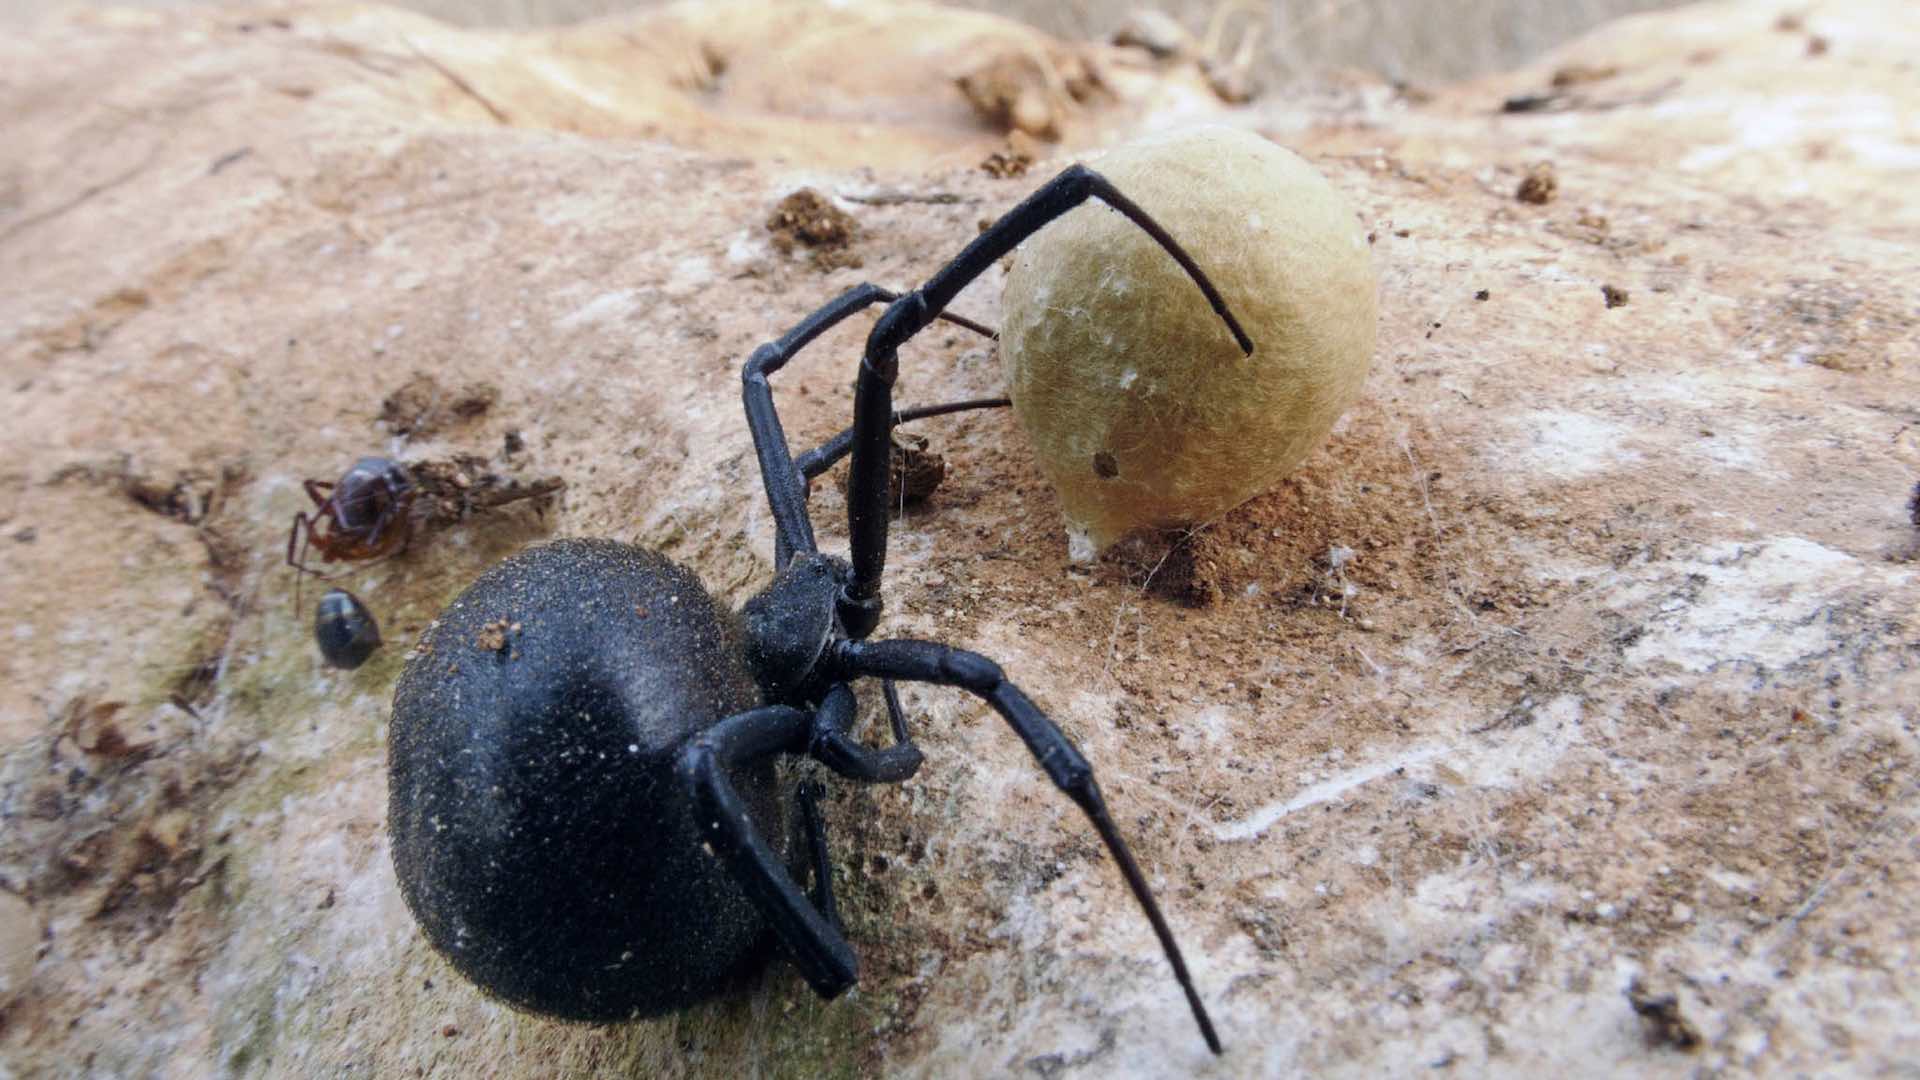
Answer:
x=584 y=808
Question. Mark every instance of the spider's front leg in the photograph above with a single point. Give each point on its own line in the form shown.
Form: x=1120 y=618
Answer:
x=786 y=491
x=808 y=927
x=873 y=415
x=814 y=943
x=785 y=479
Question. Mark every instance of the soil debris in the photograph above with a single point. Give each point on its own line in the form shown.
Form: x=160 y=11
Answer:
x=1661 y=1013
x=493 y=636
x=914 y=470
x=1540 y=186
x=1614 y=295
x=21 y=928
x=183 y=500
x=1179 y=565
x=423 y=406
x=809 y=219
x=113 y=814
x=190 y=497
x=95 y=727
x=1006 y=164
x=1526 y=103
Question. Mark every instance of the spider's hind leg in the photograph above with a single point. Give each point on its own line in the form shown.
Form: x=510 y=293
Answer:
x=808 y=799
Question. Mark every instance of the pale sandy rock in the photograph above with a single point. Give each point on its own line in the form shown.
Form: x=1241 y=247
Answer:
x=20 y=932
x=1584 y=652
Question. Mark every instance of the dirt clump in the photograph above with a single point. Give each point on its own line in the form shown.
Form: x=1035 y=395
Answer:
x=1540 y=186
x=422 y=406
x=1664 y=1024
x=1007 y=164
x=809 y=219
x=914 y=469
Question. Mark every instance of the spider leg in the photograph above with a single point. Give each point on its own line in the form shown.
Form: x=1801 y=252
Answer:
x=786 y=491
x=924 y=661
x=302 y=528
x=908 y=315
x=818 y=949
x=300 y=521
x=833 y=747
x=896 y=715
x=399 y=516
x=827 y=454
x=316 y=490
x=816 y=830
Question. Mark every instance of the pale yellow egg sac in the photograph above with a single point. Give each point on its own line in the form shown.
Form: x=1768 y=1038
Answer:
x=1140 y=406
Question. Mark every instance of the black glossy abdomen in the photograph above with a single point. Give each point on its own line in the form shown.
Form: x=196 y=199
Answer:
x=538 y=833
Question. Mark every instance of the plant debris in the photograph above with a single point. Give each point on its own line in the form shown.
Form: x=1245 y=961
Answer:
x=450 y=490
x=1575 y=74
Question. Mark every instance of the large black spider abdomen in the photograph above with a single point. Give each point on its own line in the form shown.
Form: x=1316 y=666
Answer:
x=539 y=832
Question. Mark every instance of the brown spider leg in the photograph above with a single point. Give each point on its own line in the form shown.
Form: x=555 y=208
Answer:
x=302 y=530
x=314 y=489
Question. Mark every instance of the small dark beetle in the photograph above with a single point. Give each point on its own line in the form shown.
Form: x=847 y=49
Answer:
x=344 y=629
x=584 y=808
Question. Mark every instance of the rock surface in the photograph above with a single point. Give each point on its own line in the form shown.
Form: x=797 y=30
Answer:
x=1577 y=671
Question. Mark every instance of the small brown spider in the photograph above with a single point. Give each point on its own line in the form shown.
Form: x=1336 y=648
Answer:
x=363 y=516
